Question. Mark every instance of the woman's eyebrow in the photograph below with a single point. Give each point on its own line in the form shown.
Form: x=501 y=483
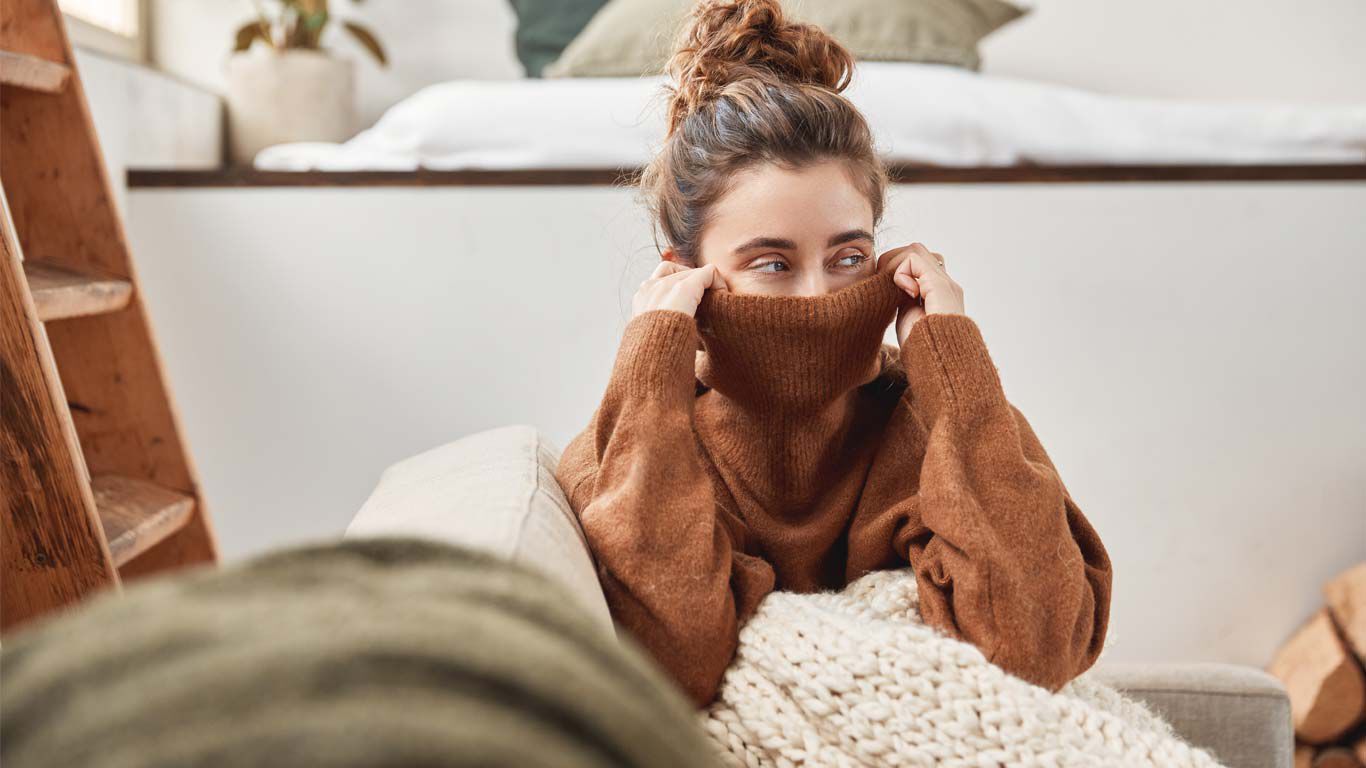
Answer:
x=781 y=242
x=845 y=237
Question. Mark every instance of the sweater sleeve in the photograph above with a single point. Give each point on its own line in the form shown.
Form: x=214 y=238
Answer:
x=666 y=553
x=962 y=490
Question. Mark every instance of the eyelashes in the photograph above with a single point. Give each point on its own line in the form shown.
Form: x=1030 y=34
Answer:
x=859 y=258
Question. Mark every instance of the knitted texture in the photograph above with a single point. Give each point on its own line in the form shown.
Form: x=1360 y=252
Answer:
x=855 y=678
x=775 y=442
x=368 y=652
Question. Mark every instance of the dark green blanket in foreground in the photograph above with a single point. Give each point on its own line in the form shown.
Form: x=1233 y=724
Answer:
x=359 y=652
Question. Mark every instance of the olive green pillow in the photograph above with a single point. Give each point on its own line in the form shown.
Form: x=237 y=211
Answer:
x=545 y=27
x=632 y=38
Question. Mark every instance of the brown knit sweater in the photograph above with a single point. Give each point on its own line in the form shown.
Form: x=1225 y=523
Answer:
x=799 y=452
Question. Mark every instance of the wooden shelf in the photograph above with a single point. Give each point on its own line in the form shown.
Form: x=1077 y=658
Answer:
x=901 y=173
x=137 y=514
x=35 y=74
x=60 y=293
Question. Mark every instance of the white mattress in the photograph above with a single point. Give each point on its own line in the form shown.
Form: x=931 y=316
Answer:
x=926 y=113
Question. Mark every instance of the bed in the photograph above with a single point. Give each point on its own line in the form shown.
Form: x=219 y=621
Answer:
x=921 y=114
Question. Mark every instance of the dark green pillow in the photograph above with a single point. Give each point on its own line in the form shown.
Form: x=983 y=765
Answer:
x=545 y=27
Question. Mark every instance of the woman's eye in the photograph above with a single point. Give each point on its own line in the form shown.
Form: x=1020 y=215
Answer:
x=851 y=261
x=858 y=258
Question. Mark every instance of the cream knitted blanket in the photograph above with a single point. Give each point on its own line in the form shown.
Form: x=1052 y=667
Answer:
x=855 y=678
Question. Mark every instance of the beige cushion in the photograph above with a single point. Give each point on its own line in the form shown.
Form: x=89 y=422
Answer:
x=495 y=491
x=630 y=38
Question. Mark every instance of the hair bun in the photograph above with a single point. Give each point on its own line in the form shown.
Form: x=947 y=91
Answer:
x=726 y=40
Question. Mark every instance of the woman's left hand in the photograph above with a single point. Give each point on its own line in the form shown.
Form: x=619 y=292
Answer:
x=921 y=274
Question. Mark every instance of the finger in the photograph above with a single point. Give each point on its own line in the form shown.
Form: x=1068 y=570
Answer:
x=664 y=269
x=889 y=261
x=923 y=253
x=686 y=275
x=922 y=262
x=683 y=272
x=706 y=276
x=718 y=281
x=907 y=283
x=904 y=277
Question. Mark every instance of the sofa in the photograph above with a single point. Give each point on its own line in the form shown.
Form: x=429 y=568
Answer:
x=495 y=490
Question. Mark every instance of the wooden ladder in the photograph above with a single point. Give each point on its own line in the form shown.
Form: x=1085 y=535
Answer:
x=96 y=487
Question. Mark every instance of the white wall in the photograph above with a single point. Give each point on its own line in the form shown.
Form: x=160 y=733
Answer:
x=1282 y=50
x=148 y=119
x=1191 y=355
x=1304 y=51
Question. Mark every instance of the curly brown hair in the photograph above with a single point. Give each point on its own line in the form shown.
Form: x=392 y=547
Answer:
x=752 y=87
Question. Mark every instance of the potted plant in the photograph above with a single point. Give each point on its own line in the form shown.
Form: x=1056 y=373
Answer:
x=283 y=86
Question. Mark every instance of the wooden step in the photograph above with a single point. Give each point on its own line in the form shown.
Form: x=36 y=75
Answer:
x=24 y=71
x=137 y=514
x=59 y=292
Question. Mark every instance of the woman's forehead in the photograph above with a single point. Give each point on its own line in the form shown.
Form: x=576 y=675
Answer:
x=807 y=206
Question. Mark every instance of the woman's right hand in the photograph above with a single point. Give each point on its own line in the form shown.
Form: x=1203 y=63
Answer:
x=674 y=286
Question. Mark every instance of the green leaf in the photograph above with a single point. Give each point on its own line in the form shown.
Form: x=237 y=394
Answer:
x=366 y=38
x=247 y=34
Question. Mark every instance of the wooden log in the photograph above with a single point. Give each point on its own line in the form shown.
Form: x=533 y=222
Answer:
x=1325 y=683
x=1345 y=596
x=1336 y=757
x=1355 y=740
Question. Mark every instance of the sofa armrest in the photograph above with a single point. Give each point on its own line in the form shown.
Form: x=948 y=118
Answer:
x=493 y=490
x=1241 y=714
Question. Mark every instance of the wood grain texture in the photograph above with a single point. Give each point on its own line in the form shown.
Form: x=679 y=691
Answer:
x=65 y=216
x=901 y=173
x=22 y=70
x=61 y=293
x=53 y=546
x=1325 y=683
x=137 y=514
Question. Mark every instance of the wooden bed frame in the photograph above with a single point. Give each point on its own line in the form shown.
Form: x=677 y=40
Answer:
x=902 y=173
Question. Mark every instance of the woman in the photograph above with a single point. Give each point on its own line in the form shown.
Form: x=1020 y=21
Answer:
x=795 y=450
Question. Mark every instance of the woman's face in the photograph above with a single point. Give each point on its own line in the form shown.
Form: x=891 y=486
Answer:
x=793 y=233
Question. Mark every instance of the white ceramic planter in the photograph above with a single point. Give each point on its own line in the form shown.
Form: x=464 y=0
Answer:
x=276 y=97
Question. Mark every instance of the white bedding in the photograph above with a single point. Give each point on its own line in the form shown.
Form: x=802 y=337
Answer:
x=925 y=113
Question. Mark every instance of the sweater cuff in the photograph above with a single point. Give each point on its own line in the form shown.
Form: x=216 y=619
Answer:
x=948 y=368
x=657 y=356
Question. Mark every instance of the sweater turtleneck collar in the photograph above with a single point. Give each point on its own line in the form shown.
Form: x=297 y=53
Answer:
x=794 y=354
x=780 y=416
